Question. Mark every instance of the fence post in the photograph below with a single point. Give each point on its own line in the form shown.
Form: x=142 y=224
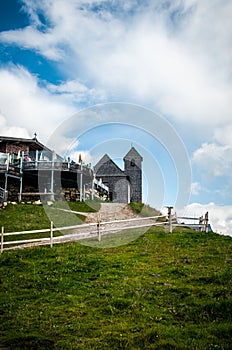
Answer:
x=170 y=218
x=207 y=222
x=51 y=234
x=2 y=239
x=200 y=223
x=99 y=227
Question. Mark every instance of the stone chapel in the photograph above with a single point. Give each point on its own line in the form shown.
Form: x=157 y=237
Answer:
x=125 y=186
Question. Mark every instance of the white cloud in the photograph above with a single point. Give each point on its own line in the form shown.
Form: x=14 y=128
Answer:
x=212 y=163
x=174 y=55
x=31 y=38
x=15 y=131
x=165 y=54
x=77 y=92
x=195 y=188
x=220 y=217
x=214 y=159
x=223 y=135
x=27 y=107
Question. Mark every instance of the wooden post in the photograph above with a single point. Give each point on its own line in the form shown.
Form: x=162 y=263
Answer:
x=200 y=223
x=84 y=194
x=99 y=227
x=6 y=181
x=170 y=218
x=8 y=161
x=92 y=191
x=21 y=179
x=81 y=184
x=51 y=234
x=207 y=222
x=20 y=188
x=7 y=168
x=52 y=178
x=2 y=239
x=36 y=158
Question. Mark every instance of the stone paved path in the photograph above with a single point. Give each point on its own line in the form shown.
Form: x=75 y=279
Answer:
x=110 y=212
x=113 y=213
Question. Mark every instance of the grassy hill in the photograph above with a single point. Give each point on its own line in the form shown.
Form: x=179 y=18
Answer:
x=144 y=209
x=22 y=217
x=161 y=291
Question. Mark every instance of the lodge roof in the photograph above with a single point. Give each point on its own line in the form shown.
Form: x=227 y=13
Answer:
x=34 y=144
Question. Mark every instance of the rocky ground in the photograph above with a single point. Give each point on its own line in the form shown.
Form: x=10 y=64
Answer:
x=110 y=212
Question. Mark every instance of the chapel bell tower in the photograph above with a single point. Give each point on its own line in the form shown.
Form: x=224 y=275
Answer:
x=133 y=169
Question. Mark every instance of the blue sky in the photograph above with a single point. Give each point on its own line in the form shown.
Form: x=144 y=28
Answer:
x=170 y=58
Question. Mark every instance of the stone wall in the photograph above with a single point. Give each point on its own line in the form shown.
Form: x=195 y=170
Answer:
x=14 y=148
x=13 y=189
x=118 y=188
x=135 y=175
x=70 y=194
x=113 y=177
x=121 y=190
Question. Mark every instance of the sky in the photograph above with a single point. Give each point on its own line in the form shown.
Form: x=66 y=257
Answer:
x=155 y=74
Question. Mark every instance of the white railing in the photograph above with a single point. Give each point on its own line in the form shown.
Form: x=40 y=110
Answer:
x=101 y=185
x=3 y=195
x=96 y=229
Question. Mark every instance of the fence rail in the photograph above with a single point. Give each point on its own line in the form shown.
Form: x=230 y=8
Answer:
x=94 y=229
x=97 y=228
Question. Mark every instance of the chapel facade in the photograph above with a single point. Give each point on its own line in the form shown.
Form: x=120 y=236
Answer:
x=125 y=186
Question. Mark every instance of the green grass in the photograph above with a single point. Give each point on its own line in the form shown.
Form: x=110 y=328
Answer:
x=88 y=206
x=22 y=217
x=114 y=239
x=27 y=217
x=161 y=291
x=145 y=210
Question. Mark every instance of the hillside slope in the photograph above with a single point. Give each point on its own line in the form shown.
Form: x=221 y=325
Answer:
x=161 y=291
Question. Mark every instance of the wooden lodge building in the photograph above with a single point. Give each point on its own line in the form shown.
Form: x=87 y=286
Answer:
x=30 y=171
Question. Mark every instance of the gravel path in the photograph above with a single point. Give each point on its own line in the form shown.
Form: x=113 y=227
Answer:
x=110 y=212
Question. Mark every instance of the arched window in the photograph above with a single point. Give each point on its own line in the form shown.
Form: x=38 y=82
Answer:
x=132 y=163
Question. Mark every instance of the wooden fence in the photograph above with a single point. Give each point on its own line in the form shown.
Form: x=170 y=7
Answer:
x=202 y=222
x=96 y=229
x=92 y=229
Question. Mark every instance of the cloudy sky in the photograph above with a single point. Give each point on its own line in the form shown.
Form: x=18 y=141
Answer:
x=173 y=58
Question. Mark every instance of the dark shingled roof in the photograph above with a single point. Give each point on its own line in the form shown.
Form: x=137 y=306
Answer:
x=132 y=154
x=34 y=144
